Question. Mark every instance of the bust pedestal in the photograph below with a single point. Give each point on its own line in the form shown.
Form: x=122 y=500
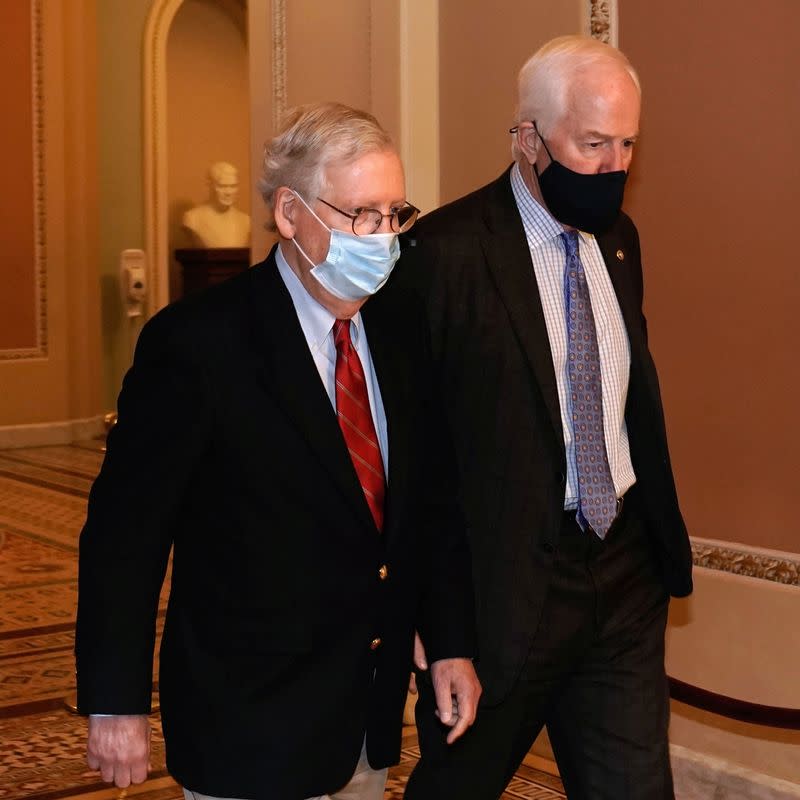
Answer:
x=203 y=267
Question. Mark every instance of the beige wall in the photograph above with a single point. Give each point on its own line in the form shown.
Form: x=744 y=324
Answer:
x=120 y=32
x=63 y=383
x=719 y=640
x=715 y=196
x=328 y=52
x=482 y=47
x=343 y=51
x=207 y=108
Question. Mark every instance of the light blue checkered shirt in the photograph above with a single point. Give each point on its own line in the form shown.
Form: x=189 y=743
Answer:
x=548 y=257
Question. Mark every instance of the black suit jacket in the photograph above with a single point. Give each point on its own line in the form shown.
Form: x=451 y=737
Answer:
x=227 y=449
x=472 y=265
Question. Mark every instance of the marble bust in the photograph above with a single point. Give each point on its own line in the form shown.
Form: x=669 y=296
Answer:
x=218 y=223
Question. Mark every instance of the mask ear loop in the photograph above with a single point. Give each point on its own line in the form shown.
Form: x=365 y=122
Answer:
x=311 y=210
x=515 y=129
x=302 y=252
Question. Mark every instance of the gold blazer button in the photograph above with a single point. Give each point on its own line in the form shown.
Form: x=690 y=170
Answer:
x=375 y=644
x=620 y=255
x=383 y=572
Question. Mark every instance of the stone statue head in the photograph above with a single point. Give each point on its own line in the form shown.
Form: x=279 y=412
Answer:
x=223 y=179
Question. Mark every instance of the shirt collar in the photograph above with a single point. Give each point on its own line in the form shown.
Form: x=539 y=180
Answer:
x=539 y=224
x=315 y=320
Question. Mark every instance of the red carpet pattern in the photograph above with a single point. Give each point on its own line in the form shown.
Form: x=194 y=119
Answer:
x=43 y=494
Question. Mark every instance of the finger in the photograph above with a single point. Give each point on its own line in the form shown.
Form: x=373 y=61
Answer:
x=412 y=684
x=139 y=772
x=450 y=722
x=122 y=776
x=444 y=701
x=467 y=705
x=107 y=771
x=93 y=761
x=420 y=659
x=458 y=729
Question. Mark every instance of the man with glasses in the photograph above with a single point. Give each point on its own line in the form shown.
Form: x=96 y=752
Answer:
x=534 y=288
x=278 y=432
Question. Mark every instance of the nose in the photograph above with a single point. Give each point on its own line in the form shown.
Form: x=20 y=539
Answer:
x=618 y=158
x=386 y=224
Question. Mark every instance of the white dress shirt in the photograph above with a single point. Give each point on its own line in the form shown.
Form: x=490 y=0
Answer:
x=317 y=325
x=548 y=255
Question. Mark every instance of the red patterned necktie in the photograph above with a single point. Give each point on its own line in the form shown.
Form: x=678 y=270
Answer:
x=355 y=420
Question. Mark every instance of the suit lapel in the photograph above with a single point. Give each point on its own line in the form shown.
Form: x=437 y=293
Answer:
x=508 y=256
x=289 y=374
x=612 y=247
x=391 y=363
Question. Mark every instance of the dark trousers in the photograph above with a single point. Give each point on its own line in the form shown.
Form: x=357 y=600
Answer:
x=594 y=676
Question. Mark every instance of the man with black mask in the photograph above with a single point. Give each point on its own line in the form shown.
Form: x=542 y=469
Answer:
x=534 y=290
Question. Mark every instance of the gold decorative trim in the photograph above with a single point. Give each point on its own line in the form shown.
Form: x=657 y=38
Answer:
x=279 y=74
x=740 y=560
x=39 y=196
x=601 y=20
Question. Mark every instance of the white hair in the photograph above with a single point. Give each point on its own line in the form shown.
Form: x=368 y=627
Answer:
x=545 y=80
x=311 y=137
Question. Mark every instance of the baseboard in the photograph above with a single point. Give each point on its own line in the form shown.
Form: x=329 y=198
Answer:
x=51 y=433
x=699 y=776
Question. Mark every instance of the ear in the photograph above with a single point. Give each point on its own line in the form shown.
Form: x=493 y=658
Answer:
x=528 y=141
x=285 y=211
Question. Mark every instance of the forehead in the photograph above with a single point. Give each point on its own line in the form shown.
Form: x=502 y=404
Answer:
x=373 y=177
x=605 y=100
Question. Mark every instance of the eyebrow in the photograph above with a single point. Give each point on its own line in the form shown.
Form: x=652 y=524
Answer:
x=598 y=135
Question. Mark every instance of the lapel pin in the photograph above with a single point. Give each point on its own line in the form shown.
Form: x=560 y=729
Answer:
x=620 y=255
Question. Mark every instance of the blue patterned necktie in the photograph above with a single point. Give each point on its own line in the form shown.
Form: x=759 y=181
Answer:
x=597 y=499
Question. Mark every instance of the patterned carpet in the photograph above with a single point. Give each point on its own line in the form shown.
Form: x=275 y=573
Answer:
x=43 y=495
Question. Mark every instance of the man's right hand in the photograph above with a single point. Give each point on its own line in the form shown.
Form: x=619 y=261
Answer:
x=119 y=746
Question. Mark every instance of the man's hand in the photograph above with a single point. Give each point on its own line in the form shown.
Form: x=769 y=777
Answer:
x=420 y=662
x=457 y=690
x=119 y=746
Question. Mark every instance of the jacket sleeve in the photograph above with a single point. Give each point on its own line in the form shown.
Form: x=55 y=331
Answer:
x=162 y=428
x=446 y=619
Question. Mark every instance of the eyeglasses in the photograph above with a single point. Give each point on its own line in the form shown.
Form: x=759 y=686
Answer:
x=368 y=220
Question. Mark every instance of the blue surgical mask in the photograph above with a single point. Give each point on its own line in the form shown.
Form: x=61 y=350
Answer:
x=356 y=266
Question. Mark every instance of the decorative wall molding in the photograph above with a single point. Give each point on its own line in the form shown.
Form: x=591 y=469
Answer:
x=738 y=559
x=154 y=111
x=51 y=433
x=156 y=201
x=601 y=20
x=419 y=101
x=700 y=775
x=279 y=76
x=39 y=196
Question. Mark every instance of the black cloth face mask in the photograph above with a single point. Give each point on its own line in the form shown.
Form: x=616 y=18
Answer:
x=590 y=203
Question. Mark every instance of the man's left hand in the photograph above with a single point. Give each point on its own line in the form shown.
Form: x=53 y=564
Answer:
x=457 y=691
